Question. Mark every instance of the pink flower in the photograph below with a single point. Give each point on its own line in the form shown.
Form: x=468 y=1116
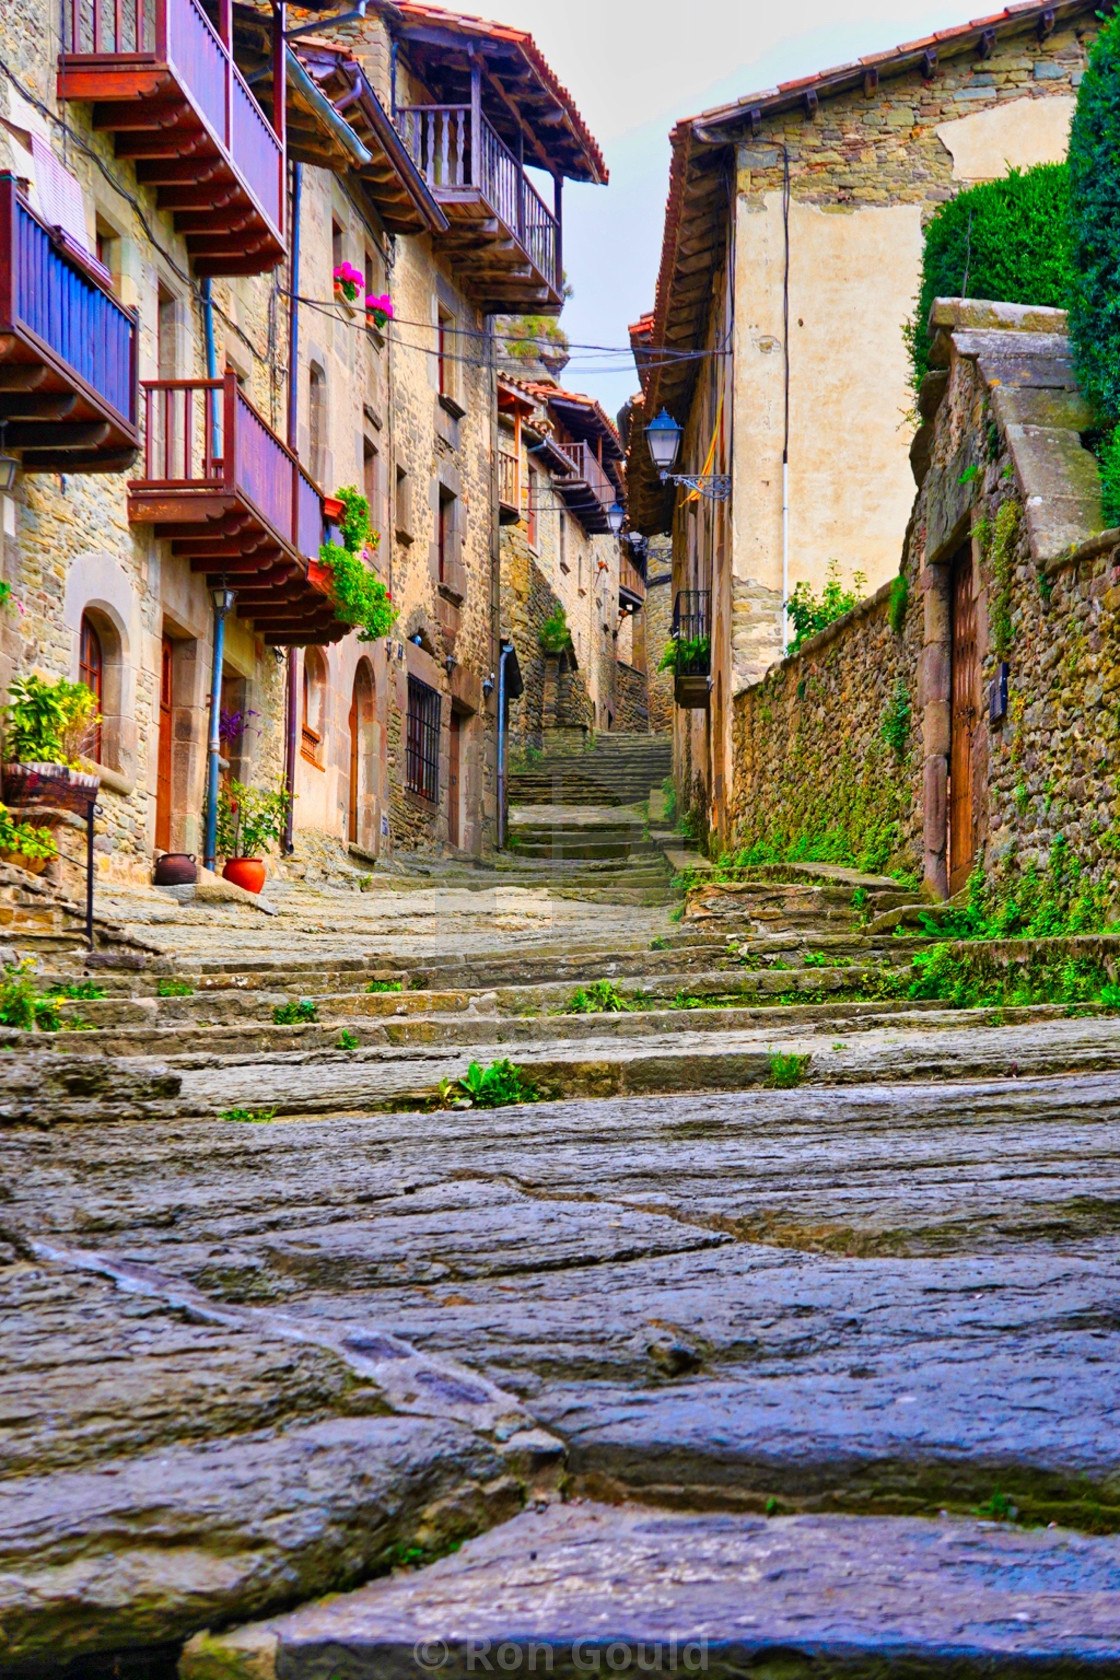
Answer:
x=381 y=308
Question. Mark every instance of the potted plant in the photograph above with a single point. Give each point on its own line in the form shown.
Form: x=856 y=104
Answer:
x=49 y=729
x=250 y=820
x=342 y=570
x=27 y=845
x=379 y=310
x=347 y=282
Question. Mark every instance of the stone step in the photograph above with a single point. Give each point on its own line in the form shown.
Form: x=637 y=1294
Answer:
x=602 y=1589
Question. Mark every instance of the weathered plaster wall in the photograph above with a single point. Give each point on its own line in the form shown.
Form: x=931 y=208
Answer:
x=865 y=174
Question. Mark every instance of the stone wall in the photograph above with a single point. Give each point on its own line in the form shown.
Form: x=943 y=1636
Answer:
x=632 y=716
x=658 y=614
x=1007 y=518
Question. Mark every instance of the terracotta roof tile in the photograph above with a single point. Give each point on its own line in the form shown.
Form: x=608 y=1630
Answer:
x=480 y=28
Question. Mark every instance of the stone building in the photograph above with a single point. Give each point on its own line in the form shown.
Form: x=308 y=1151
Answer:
x=966 y=712
x=178 y=229
x=790 y=263
x=560 y=477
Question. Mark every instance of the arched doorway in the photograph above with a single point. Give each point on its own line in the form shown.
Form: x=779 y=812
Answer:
x=362 y=829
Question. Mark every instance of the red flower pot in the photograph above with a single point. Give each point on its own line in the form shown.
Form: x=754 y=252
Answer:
x=245 y=872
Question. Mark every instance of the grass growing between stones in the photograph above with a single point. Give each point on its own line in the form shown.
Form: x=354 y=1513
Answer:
x=380 y=986
x=601 y=997
x=174 y=988
x=501 y=1085
x=787 y=1070
x=248 y=1116
x=295 y=1014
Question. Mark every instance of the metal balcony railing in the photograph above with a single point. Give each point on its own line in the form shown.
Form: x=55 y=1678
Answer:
x=440 y=140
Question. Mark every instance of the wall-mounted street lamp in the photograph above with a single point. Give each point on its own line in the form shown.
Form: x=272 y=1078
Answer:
x=664 y=438
x=616 y=518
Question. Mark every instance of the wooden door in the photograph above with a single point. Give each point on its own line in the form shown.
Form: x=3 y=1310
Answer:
x=454 y=798
x=965 y=717
x=163 y=764
x=355 y=762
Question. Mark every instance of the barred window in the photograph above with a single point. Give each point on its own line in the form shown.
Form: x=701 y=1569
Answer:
x=425 y=708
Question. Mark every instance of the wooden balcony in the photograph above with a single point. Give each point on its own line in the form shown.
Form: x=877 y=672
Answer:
x=67 y=353
x=590 y=491
x=163 y=82
x=631 y=583
x=229 y=497
x=509 y=487
x=499 y=222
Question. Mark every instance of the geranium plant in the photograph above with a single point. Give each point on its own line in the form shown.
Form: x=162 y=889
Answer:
x=347 y=281
x=250 y=820
x=25 y=839
x=359 y=597
x=380 y=310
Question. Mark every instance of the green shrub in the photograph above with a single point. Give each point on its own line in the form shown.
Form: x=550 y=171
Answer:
x=501 y=1085
x=250 y=820
x=1005 y=240
x=896 y=722
x=1094 y=220
x=21 y=1003
x=296 y=1014
x=88 y=990
x=555 y=636
x=899 y=604
x=49 y=722
x=1110 y=479
x=810 y=615
x=679 y=653
x=359 y=597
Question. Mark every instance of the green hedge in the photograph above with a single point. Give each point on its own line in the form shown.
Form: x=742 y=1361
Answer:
x=1094 y=171
x=1006 y=240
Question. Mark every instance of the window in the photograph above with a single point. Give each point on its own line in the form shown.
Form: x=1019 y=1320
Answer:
x=371 y=481
x=108 y=249
x=403 y=510
x=166 y=334
x=425 y=710
x=314 y=697
x=564 y=566
x=338 y=256
x=316 y=411
x=447 y=534
x=445 y=341
x=91 y=671
x=531 y=513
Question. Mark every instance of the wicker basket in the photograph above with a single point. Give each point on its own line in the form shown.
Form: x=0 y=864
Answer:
x=49 y=784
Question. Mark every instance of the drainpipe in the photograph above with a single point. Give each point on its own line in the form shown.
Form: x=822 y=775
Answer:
x=211 y=364
x=507 y=649
x=288 y=844
x=223 y=606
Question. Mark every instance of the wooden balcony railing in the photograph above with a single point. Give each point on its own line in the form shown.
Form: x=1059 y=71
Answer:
x=165 y=60
x=72 y=406
x=630 y=580
x=509 y=481
x=441 y=142
x=205 y=435
x=586 y=467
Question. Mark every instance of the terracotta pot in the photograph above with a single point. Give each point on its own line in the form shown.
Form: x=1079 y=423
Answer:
x=49 y=784
x=245 y=872
x=175 y=869
x=33 y=866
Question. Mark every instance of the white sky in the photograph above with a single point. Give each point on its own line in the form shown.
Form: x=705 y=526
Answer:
x=634 y=67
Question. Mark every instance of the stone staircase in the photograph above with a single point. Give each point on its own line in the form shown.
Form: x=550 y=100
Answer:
x=618 y=770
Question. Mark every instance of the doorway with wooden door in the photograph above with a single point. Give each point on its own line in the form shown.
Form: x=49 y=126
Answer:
x=965 y=719
x=166 y=737
x=455 y=781
x=361 y=813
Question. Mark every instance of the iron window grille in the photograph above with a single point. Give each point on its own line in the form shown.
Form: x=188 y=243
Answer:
x=692 y=632
x=425 y=711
